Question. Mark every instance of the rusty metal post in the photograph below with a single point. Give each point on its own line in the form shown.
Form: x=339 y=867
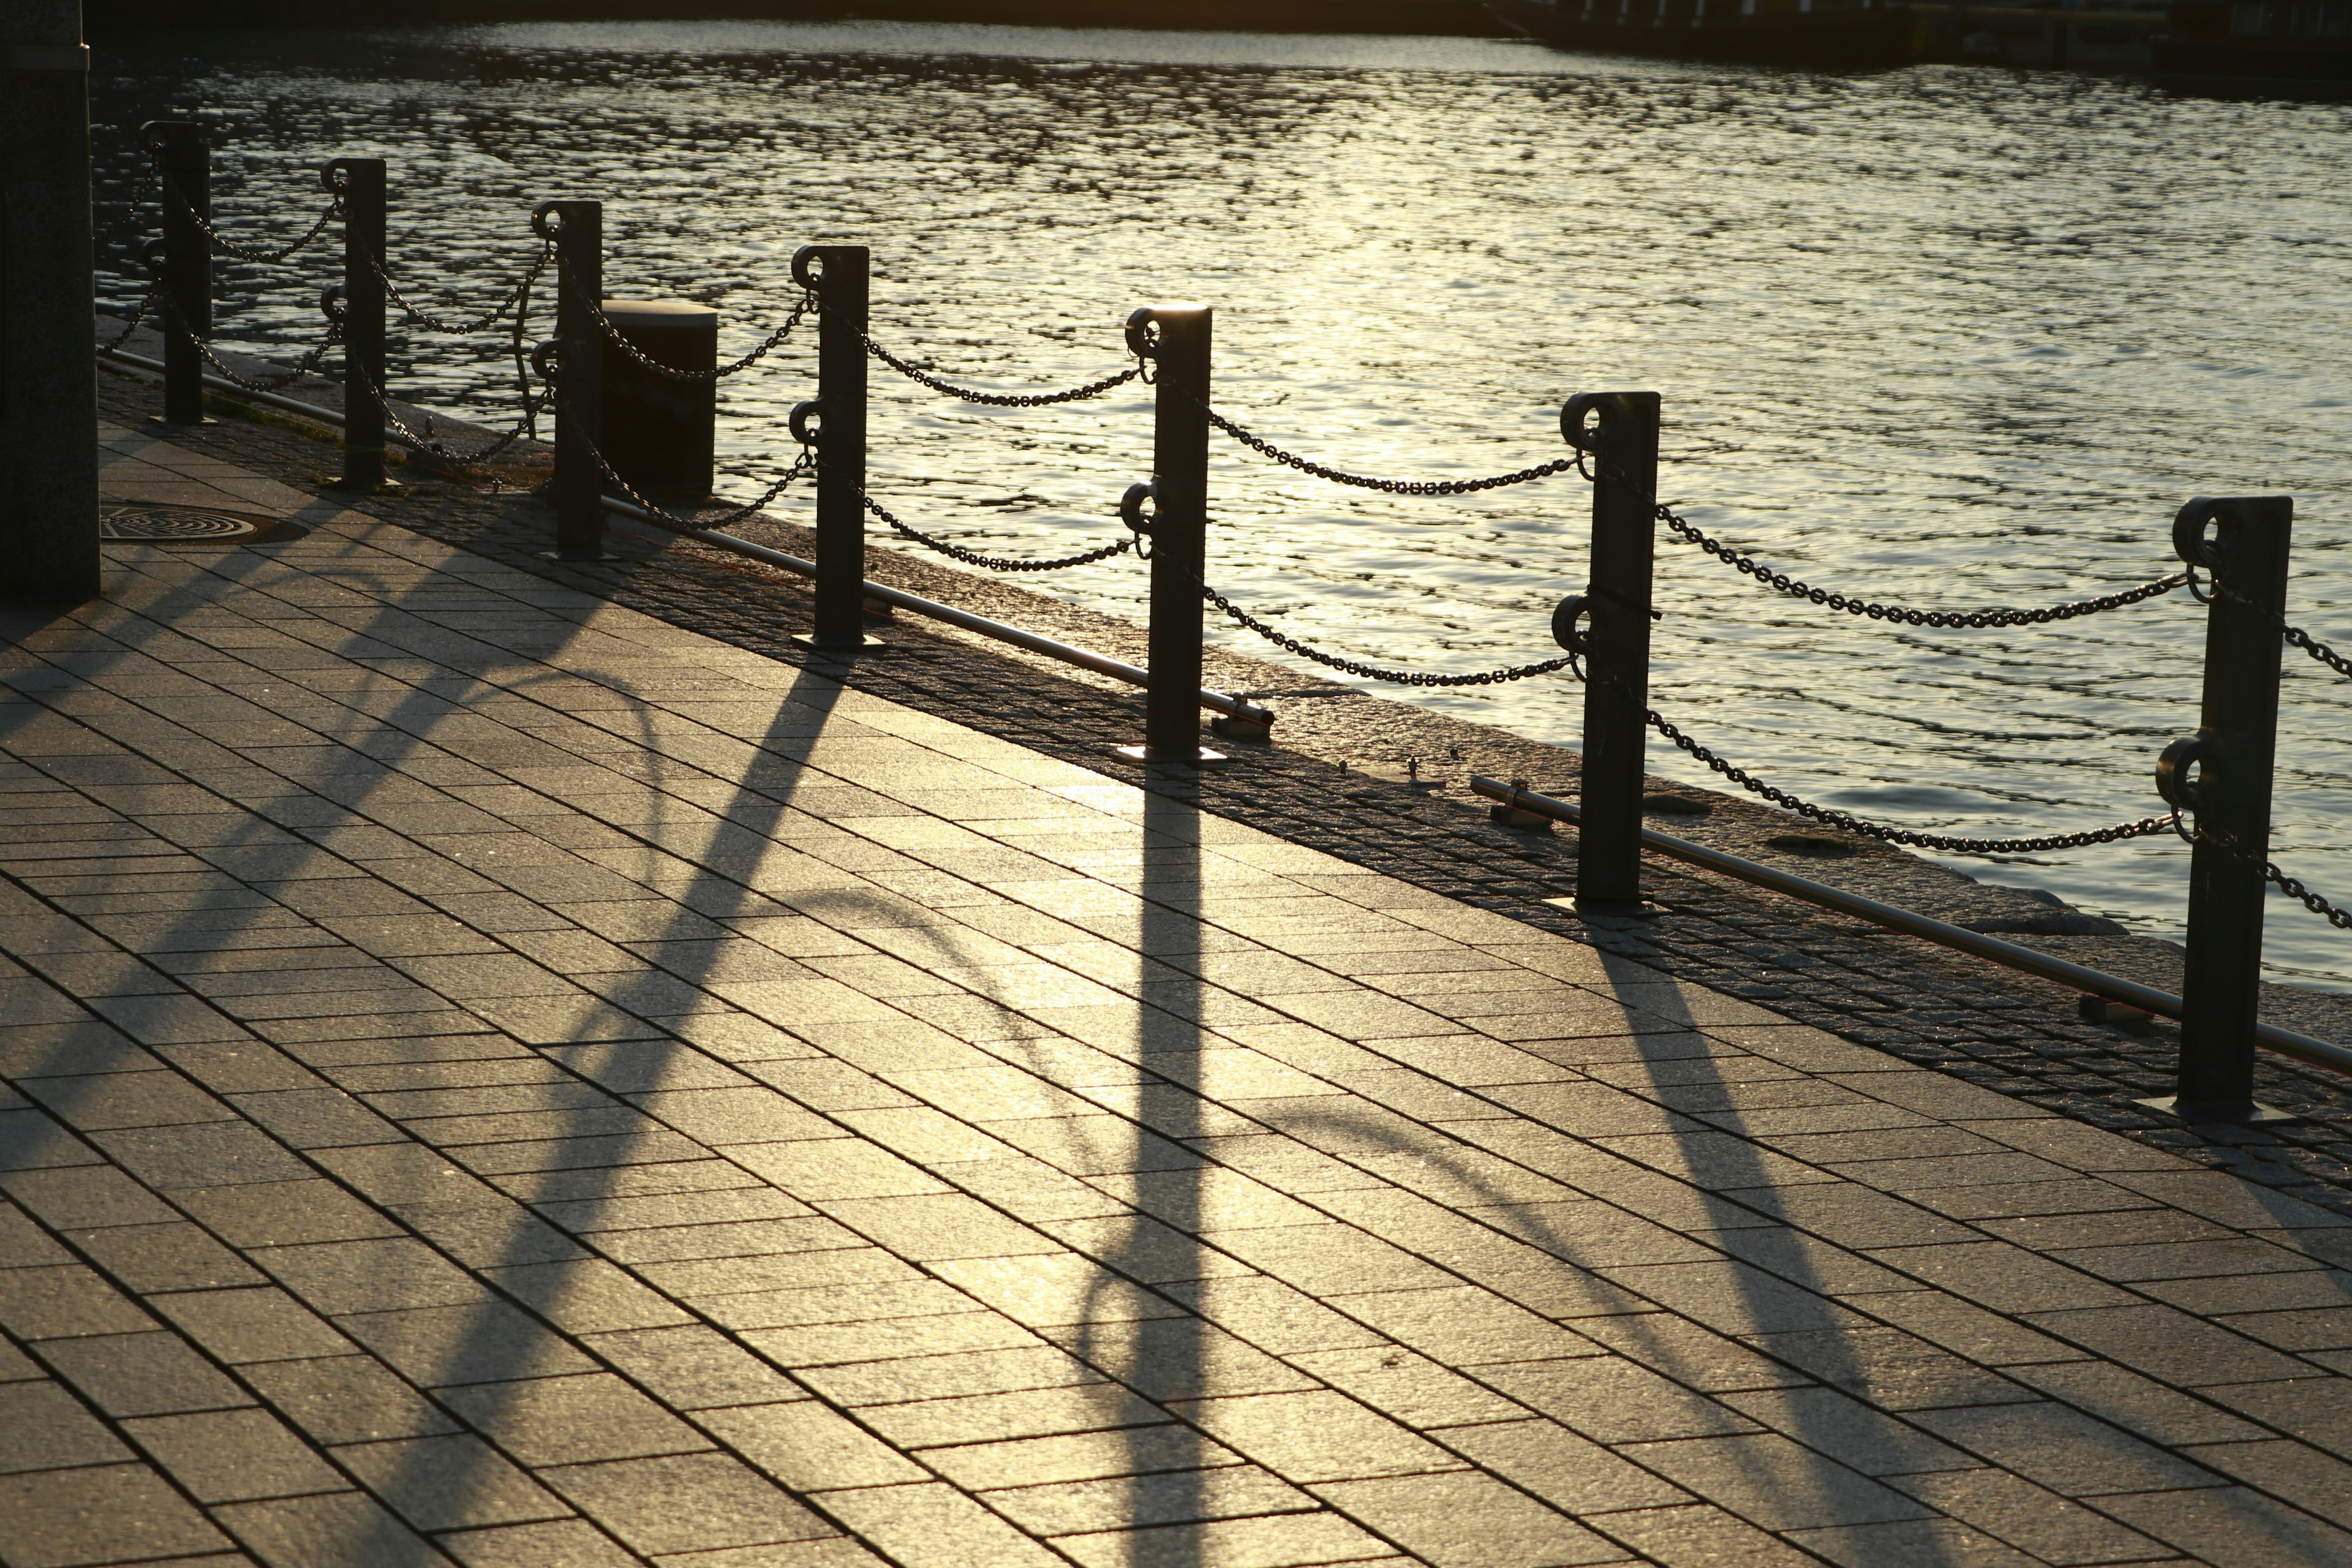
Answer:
x=577 y=227
x=185 y=163
x=1623 y=442
x=360 y=183
x=48 y=378
x=840 y=275
x=1177 y=339
x=2221 y=777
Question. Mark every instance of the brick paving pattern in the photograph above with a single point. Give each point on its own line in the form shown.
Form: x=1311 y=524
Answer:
x=496 y=1077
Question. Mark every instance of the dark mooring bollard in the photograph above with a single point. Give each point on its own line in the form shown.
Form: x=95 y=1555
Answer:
x=1176 y=339
x=578 y=230
x=659 y=431
x=839 y=275
x=2221 y=777
x=184 y=261
x=1619 y=429
x=360 y=183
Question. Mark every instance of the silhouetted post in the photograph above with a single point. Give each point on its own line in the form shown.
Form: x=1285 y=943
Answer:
x=1624 y=447
x=578 y=230
x=48 y=379
x=2243 y=544
x=186 y=176
x=840 y=275
x=360 y=182
x=1176 y=338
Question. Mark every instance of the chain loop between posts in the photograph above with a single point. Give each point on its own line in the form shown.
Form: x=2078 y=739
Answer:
x=1001 y=399
x=1375 y=672
x=227 y=247
x=993 y=563
x=1901 y=615
x=518 y=298
x=1829 y=817
x=527 y=424
x=1390 y=487
x=130 y=219
x=613 y=335
x=2341 y=919
x=2295 y=635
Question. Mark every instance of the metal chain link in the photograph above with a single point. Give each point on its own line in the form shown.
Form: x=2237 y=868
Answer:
x=2339 y=918
x=2295 y=635
x=227 y=247
x=613 y=335
x=527 y=423
x=1851 y=823
x=1374 y=671
x=520 y=295
x=146 y=302
x=1001 y=399
x=130 y=219
x=803 y=464
x=995 y=563
x=1903 y=615
x=1391 y=487
x=304 y=366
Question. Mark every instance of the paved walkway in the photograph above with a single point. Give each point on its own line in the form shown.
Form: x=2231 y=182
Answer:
x=494 y=1075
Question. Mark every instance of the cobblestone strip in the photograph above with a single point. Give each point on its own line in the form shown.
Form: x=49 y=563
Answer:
x=1378 y=1209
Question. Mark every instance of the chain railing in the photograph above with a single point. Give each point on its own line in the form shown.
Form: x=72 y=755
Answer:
x=227 y=246
x=995 y=563
x=2296 y=636
x=1831 y=818
x=1001 y=399
x=620 y=340
x=2341 y=919
x=518 y=299
x=132 y=206
x=1267 y=448
x=1377 y=672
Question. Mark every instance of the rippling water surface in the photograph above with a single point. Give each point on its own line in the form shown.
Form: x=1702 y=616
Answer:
x=1948 y=337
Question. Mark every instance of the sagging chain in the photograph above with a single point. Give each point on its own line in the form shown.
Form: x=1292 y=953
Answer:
x=304 y=366
x=1902 y=615
x=1846 y=821
x=1001 y=399
x=525 y=423
x=2295 y=635
x=2340 y=919
x=1391 y=487
x=803 y=464
x=229 y=247
x=516 y=297
x=130 y=219
x=1375 y=672
x=614 y=335
x=995 y=563
x=138 y=314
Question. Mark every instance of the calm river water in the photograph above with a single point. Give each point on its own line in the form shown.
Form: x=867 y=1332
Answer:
x=1951 y=337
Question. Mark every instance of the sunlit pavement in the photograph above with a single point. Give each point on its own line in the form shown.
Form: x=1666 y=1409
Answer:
x=495 y=1074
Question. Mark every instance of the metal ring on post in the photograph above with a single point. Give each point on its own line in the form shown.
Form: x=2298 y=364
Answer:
x=547 y=219
x=330 y=304
x=1142 y=340
x=334 y=174
x=2188 y=539
x=1564 y=631
x=2180 y=791
x=547 y=361
x=797 y=422
x=155 y=253
x=1572 y=428
x=1130 y=512
x=808 y=277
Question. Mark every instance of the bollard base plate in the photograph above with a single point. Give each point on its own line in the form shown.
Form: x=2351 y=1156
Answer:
x=1231 y=727
x=864 y=645
x=1608 y=909
x=575 y=559
x=2244 y=1114
x=1200 y=757
x=180 y=424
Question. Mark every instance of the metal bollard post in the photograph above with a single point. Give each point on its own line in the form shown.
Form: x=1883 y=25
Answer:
x=660 y=434
x=2243 y=544
x=361 y=182
x=48 y=378
x=186 y=261
x=1616 y=648
x=578 y=230
x=1177 y=339
x=840 y=276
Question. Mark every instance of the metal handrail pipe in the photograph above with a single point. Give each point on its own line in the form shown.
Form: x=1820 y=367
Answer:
x=1977 y=944
x=1067 y=652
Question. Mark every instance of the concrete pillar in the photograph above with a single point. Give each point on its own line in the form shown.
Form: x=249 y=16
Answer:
x=49 y=373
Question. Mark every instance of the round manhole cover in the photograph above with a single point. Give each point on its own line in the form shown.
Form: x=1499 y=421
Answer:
x=158 y=522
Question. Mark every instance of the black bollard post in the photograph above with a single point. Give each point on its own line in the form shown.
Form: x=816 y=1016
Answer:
x=578 y=230
x=1176 y=338
x=361 y=182
x=661 y=433
x=840 y=275
x=48 y=378
x=2243 y=544
x=1616 y=648
x=185 y=165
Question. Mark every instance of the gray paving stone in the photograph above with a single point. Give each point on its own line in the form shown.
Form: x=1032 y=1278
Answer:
x=43 y=1427
x=1774 y=1482
x=113 y=1512
x=346 y=1399
x=448 y=1483
x=149 y=1373
x=2062 y=1450
x=339 y=1527
x=233 y=1456
x=692 y=1503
